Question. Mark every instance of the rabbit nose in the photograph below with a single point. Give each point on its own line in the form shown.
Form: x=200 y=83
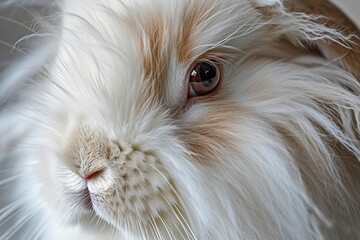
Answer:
x=92 y=175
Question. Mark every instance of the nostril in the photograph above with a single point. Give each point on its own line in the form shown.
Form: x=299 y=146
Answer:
x=92 y=175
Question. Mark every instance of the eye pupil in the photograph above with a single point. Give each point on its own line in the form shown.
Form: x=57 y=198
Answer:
x=204 y=79
x=207 y=73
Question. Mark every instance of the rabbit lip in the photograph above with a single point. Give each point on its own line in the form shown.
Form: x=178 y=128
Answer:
x=86 y=197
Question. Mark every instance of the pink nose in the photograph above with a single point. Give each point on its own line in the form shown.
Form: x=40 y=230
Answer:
x=92 y=175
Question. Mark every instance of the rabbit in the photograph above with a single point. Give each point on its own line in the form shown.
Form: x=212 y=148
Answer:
x=183 y=119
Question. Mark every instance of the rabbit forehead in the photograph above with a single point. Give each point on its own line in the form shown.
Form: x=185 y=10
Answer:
x=127 y=49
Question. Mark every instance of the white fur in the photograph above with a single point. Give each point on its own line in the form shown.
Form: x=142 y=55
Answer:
x=253 y=189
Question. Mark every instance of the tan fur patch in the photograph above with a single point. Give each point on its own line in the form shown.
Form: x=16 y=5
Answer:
x=155 y=52
x=153 y=43
x=209 y=136
x=193 y=14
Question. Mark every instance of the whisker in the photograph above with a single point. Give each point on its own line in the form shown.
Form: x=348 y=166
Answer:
x=166 y=226
x=39 y=231
x=13 y=169
x=180 y=219
x=187 y=228
x=20 y=222
x=176 y=213
x=8 y=209
x=17 y=23
x=12 y=230
x=27 y=37
x=29 y=117
x=10 y=179
x=139 y=222
x=11 y=46
x=156 y=229
x=126 y=228
x=23 y=147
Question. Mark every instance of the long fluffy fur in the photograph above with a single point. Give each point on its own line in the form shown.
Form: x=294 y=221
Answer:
x=274 y=155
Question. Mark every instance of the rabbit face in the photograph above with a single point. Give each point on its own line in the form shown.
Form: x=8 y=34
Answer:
x=129 y=155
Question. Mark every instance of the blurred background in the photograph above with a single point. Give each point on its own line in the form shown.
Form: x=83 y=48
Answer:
x=351 y=7
x=15 y=23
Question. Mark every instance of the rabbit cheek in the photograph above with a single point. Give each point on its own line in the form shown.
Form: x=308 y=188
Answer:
x=211 y=135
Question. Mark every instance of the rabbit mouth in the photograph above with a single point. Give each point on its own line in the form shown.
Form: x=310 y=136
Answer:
x=86 y=199
x=135 y=196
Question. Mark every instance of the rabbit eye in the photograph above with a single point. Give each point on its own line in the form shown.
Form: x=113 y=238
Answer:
x=204 y=78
